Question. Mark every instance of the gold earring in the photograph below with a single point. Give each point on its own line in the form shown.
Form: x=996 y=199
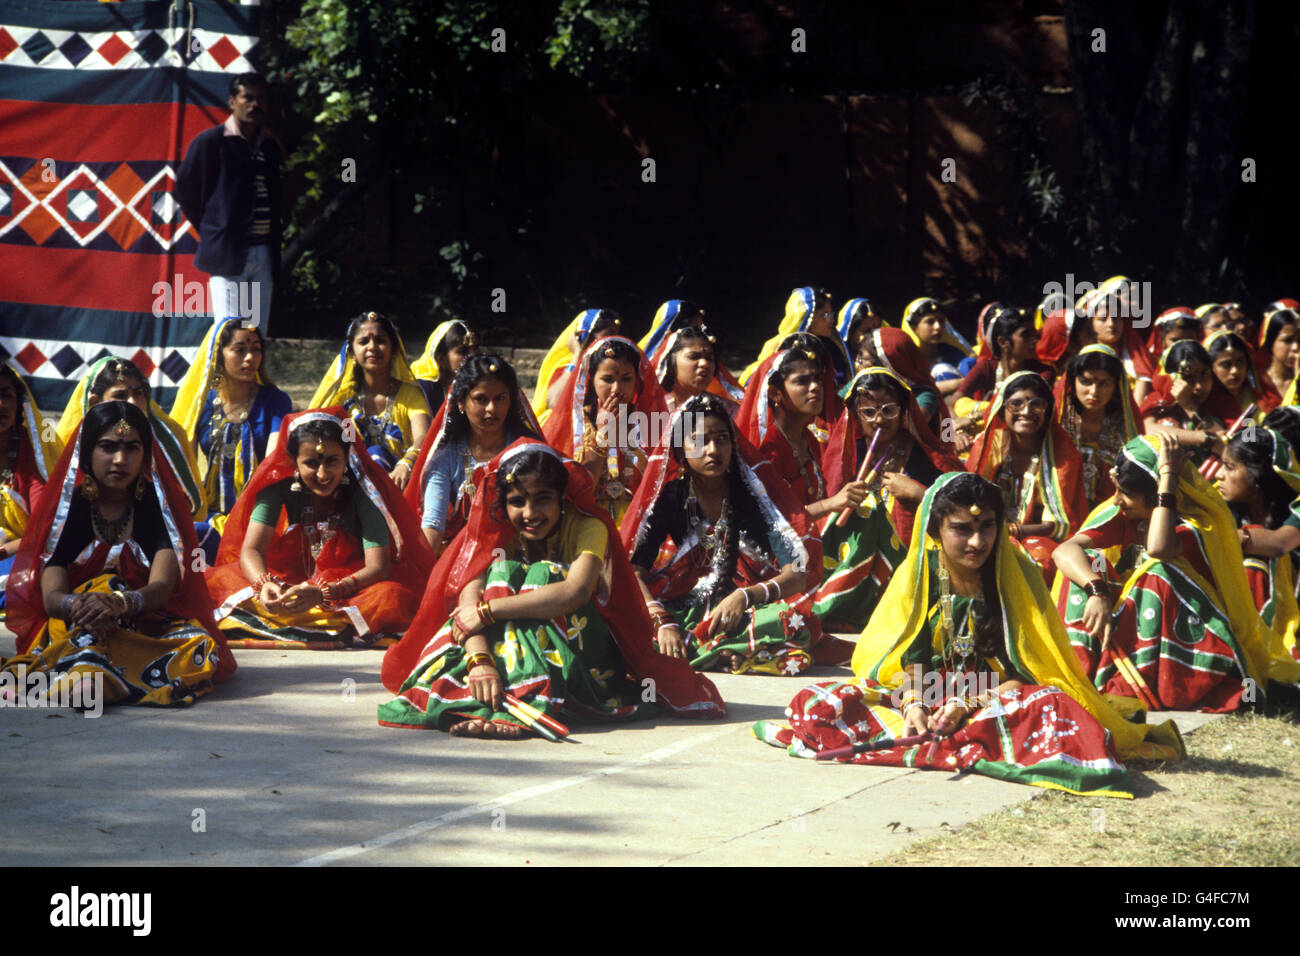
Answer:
x=89 y=489
x=139 y=488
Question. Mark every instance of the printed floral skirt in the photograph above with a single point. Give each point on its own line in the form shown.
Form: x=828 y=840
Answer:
x=568 y=666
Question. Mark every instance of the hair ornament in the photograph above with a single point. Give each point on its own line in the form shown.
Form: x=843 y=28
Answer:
x=320 y=448
x=510 y=477
x=811 y=355
x=609 y=351
x=471 y=340
x=372 y=316
x=492 y=366
x=975 y=511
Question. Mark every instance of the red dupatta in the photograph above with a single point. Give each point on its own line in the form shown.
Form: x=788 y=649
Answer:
x=567 y=425
x=840 y=459
x=678 y=687
x=902 y=356
x=24 y=602
x=757 y=425
x=1060 y=481
x=1267 y=396
x=777 y=503
x=1218 y=403
x=723 y=384
x=411 y=557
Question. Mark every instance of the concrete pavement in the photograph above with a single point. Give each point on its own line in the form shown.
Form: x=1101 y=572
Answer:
x=286 y=765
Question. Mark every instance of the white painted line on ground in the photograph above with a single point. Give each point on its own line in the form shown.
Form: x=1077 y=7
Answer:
x=486 y=806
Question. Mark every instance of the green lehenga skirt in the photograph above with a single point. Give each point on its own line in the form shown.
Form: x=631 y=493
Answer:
x=568 y=666
x=859 y=559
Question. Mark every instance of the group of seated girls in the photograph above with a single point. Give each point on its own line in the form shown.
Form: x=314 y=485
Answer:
x=1084 y=522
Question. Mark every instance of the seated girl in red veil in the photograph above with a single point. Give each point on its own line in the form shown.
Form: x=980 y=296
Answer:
x=101 y=588
x=782 y=417
x=535 y=599
x=320 y=546
x=722 y=550
x=1189 y=402
x=1234 y=363
x=607 y=417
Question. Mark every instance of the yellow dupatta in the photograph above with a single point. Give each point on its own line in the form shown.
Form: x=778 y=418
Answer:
x=1203 y=509
x=950 y=336
x=172 y=437
x=426 y=366
x=339 y=384
x=1034 y=635
x=798 y=309
x=192 y=393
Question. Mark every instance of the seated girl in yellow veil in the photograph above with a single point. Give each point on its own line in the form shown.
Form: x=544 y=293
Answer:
x=112 y=379
x=807 y=310
x=230 y=410
x=373 y=381
x=449 y=345
x=558 y=365
x=927 y=326
x=965 y=666
x=29 y=449
x=1154 y=595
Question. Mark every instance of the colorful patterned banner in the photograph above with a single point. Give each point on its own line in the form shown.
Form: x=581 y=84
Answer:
x=98 y=103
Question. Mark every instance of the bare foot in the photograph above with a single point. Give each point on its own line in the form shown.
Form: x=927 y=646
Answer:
x=478 y=727
x=730 y=661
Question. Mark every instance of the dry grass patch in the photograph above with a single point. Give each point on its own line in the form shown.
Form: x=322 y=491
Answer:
x=1231 y=803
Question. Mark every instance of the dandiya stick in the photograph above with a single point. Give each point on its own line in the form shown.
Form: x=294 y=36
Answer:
x=866 y=460
x=867 y=746
x=1210 y=467
x=1129 y=671
x=528 y=721
x=549 y=722
x=843 y=519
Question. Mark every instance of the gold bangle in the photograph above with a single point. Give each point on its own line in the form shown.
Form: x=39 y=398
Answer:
x=485 y=614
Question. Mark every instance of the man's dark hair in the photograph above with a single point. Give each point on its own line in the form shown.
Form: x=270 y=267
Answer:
x=247 y=80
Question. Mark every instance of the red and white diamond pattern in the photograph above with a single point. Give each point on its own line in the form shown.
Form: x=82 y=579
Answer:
x=136 y=206
x=222 y=52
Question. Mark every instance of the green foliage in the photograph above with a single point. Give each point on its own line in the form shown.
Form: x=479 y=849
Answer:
x=412 y=87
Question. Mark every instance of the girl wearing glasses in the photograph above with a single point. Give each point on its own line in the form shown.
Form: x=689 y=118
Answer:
x=907 y=458
x=1026 y=453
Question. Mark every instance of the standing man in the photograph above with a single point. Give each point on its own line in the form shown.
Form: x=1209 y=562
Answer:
x=229 y=188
